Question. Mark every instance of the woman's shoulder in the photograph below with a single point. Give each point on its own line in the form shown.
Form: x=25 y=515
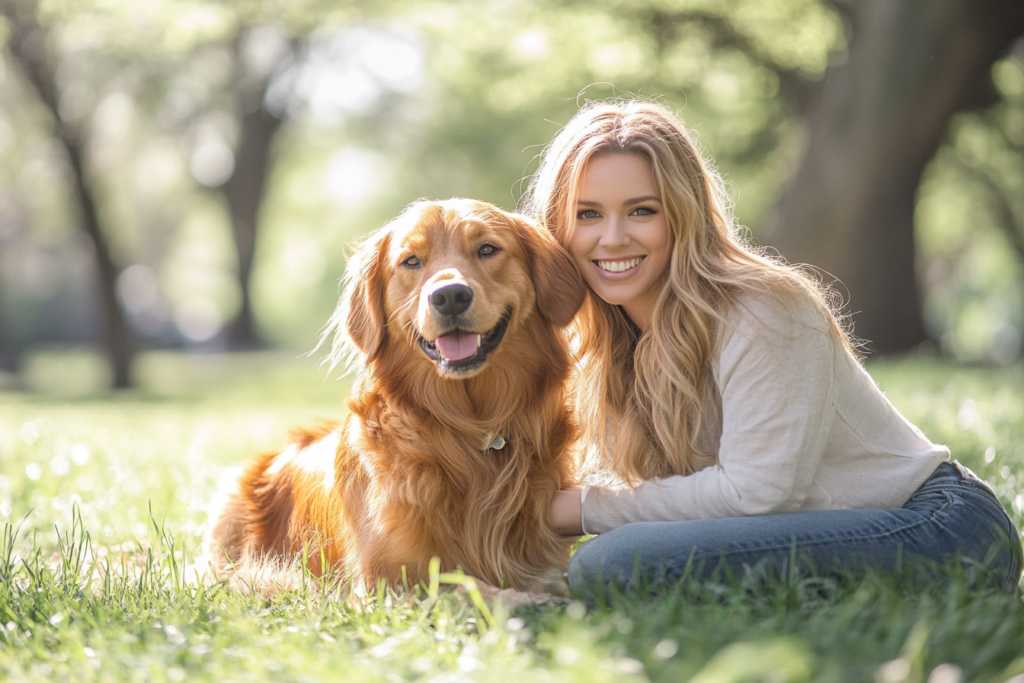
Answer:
x=787 y=320
x=781 y=332
x=778 y=310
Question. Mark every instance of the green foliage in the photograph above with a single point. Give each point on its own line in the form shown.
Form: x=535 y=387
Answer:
x=970 y=228
x=102 y=500
x=486 y=86
x=151 y=89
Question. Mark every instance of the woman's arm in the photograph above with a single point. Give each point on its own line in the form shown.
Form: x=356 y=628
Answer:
x=567 y=512
x=776 y=378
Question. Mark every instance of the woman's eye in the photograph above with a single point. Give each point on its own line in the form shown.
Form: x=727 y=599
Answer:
x=412 y=262
x=488 y=250
x=644 y=211
x=587 y=215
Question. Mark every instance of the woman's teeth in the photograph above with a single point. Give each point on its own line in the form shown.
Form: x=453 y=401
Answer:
x=619 y=266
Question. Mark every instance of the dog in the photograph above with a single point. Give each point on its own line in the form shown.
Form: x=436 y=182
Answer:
x=457 y=433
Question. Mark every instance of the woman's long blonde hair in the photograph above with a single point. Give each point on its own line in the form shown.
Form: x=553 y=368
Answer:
x=646 y=402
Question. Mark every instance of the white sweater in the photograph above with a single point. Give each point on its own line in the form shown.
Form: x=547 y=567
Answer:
x=803 y=427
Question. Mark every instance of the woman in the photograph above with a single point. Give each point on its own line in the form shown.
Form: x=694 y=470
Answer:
x=717 y=385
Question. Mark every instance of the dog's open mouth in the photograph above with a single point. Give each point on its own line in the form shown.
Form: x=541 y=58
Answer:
x=461 y=351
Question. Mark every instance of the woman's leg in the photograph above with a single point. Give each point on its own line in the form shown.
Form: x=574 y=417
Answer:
x=953 y=515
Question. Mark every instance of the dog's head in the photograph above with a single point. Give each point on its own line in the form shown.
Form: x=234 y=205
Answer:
x=452 y=279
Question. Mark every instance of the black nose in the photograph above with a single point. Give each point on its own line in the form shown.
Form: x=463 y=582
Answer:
x=451 y=299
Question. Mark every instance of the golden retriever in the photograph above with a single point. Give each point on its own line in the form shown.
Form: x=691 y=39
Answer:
x=457 y=434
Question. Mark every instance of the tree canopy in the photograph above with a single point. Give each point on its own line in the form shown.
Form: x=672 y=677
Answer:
x=233 y=149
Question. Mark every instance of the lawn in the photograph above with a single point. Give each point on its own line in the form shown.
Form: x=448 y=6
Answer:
x=130 y=477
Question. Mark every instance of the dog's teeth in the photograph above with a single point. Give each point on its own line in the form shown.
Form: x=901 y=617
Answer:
x=478 y=340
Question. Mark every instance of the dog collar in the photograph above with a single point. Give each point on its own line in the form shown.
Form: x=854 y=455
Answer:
x=497 y=444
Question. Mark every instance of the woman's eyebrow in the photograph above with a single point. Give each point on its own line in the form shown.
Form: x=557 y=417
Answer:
x=641 y=200
x=628 y=202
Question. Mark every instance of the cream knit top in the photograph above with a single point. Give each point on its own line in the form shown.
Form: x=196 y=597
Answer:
x=803 y=427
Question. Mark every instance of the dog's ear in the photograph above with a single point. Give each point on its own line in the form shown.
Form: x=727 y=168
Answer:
x=360 y=320
x=556 y=279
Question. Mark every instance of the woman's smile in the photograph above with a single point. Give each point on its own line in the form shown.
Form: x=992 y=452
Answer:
x=620 y=266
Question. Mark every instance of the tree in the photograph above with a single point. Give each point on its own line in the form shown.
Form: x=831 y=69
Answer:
x=1000 y=181
x=30 y=48
x=259 y=122
x=873 y=124
x=266 y=51
x=871 y=106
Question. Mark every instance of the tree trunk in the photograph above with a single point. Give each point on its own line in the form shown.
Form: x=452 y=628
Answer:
x=28 y=46
x=244 y=195
x=243 y=192
x=8 y=346
x=878 y=120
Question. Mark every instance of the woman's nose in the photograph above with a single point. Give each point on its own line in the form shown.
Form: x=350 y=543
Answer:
x=614 y=233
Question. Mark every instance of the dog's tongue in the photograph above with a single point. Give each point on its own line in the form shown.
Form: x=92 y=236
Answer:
x=457 y=345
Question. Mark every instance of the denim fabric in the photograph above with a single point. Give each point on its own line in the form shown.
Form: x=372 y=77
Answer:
x=953 y=517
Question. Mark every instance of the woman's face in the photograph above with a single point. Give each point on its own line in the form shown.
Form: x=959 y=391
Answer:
x=621 y=240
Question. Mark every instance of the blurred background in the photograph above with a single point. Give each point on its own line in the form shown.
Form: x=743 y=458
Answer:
x=185 y=175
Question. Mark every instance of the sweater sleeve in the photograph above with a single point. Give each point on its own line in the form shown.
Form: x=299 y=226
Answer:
x=776 y=378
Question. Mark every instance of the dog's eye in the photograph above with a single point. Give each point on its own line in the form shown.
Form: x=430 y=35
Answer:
x=412 y=262
x=488 y=250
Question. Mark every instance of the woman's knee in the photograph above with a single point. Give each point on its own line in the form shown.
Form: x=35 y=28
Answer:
x=614 y=558
x=594 y=561
x=984 y=537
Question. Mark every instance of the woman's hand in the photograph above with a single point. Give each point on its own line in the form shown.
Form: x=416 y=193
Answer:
x=567 y=512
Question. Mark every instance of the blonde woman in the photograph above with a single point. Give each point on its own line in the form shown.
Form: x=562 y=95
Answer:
x=718 y=387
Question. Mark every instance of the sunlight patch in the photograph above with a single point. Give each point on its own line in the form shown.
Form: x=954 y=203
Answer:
x=318 y=459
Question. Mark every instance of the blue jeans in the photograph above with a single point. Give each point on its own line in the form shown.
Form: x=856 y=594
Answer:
x=953 y=517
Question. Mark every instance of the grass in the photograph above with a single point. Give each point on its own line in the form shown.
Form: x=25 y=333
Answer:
x=130 y=476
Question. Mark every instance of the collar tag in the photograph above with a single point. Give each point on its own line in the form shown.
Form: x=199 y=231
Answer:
x=498 y=443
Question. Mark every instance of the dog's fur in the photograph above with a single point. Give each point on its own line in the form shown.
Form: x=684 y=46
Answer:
x=408 y=474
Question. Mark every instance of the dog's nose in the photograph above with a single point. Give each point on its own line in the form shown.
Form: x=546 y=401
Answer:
x=451 y=299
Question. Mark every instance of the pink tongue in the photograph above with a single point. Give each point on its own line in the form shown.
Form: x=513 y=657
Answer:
x=457 y=345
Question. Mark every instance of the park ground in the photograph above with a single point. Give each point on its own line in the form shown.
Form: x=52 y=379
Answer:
x=103 y=499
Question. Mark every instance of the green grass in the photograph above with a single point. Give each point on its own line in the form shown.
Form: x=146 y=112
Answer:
x=131 y=475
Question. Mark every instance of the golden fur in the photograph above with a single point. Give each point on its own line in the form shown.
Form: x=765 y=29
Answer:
x=407 y=475
x=646 y=402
